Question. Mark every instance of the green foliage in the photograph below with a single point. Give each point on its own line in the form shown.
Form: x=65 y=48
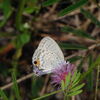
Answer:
x=15 y=86
x=49 y=2
x=46 y=95
x=89 y=15
x=75 y=93
x=89 y=78
x=32 y=6
x=21 y=40
x=79 y=67
x=74 y=59
x=36 y=86
x=71 y=86
x=5 y=5
x=19 y=14
x=3 y=95
x=91 y=67
x=73 y=7
x=62 y=85
x=67 y=80
x=72 y=46
x=27 y=7
x=77 y=32
x=28 y=10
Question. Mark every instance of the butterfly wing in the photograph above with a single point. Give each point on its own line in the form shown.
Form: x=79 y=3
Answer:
x=49 y=55
x=48 y=43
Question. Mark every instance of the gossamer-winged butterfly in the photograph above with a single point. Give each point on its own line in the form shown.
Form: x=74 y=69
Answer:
x=47 y=57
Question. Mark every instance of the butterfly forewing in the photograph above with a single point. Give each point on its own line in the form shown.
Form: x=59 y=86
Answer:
x=48 y=43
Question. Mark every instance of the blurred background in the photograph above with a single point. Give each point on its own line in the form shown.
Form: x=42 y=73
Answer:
x=74 y=24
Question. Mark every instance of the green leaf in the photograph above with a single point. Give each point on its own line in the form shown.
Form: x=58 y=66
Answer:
x=6 y=8
x=3 y=95
x=94 y=64
x=77 y=88
x=74 y=76
x=46 y=95
x=73 y=7
x=62 y=85
x=77 y=32
x=72 y=46
x=21 y=40
x=89 y=15
x=79 y=67
x=18 y=21
x=49 y=2
x=75 y=58
x=73 y=85
x=17 y=54
x=67 y=80
x=7 y=11
x=75 y=93
x=36 y=86
x=89 y=78
x=15 y=86
x=77 y=77
x=32 y=6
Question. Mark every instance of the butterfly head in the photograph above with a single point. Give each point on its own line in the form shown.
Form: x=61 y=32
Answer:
x=36 y=68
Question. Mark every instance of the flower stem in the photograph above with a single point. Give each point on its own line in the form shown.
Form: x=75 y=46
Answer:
x=97 y=62
x=97 y=81
x=19 y=13
x=66 y=97
x=46 y=95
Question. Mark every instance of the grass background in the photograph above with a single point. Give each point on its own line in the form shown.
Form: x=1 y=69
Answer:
x=74 y=24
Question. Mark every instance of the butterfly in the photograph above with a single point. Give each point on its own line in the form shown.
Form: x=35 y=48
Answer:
x=46 y=57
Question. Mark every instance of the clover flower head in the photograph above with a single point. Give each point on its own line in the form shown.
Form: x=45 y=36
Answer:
x=61 y=72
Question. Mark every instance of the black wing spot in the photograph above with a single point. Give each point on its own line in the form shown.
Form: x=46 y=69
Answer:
x=35 y=62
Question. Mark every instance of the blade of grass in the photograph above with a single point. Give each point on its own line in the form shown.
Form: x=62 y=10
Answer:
x=67 y=80
x=19 y=14
x=73 y=85
x=97 y=82
x=77 y=32
x=15 y=86
x=7 y=11
x=3 y=95
x=90 y=77
x=72 y=46
x=89 y=15
x=62 y=85
x=79 y=67
x=93 y=65
x=75 y=93
x=49 y=94
x=73 y=7
x=49 y=2
x=77 y=88
x=77 y=78
x=75 y=58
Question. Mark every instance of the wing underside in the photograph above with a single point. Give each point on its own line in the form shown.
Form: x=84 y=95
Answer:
x=49 y=54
